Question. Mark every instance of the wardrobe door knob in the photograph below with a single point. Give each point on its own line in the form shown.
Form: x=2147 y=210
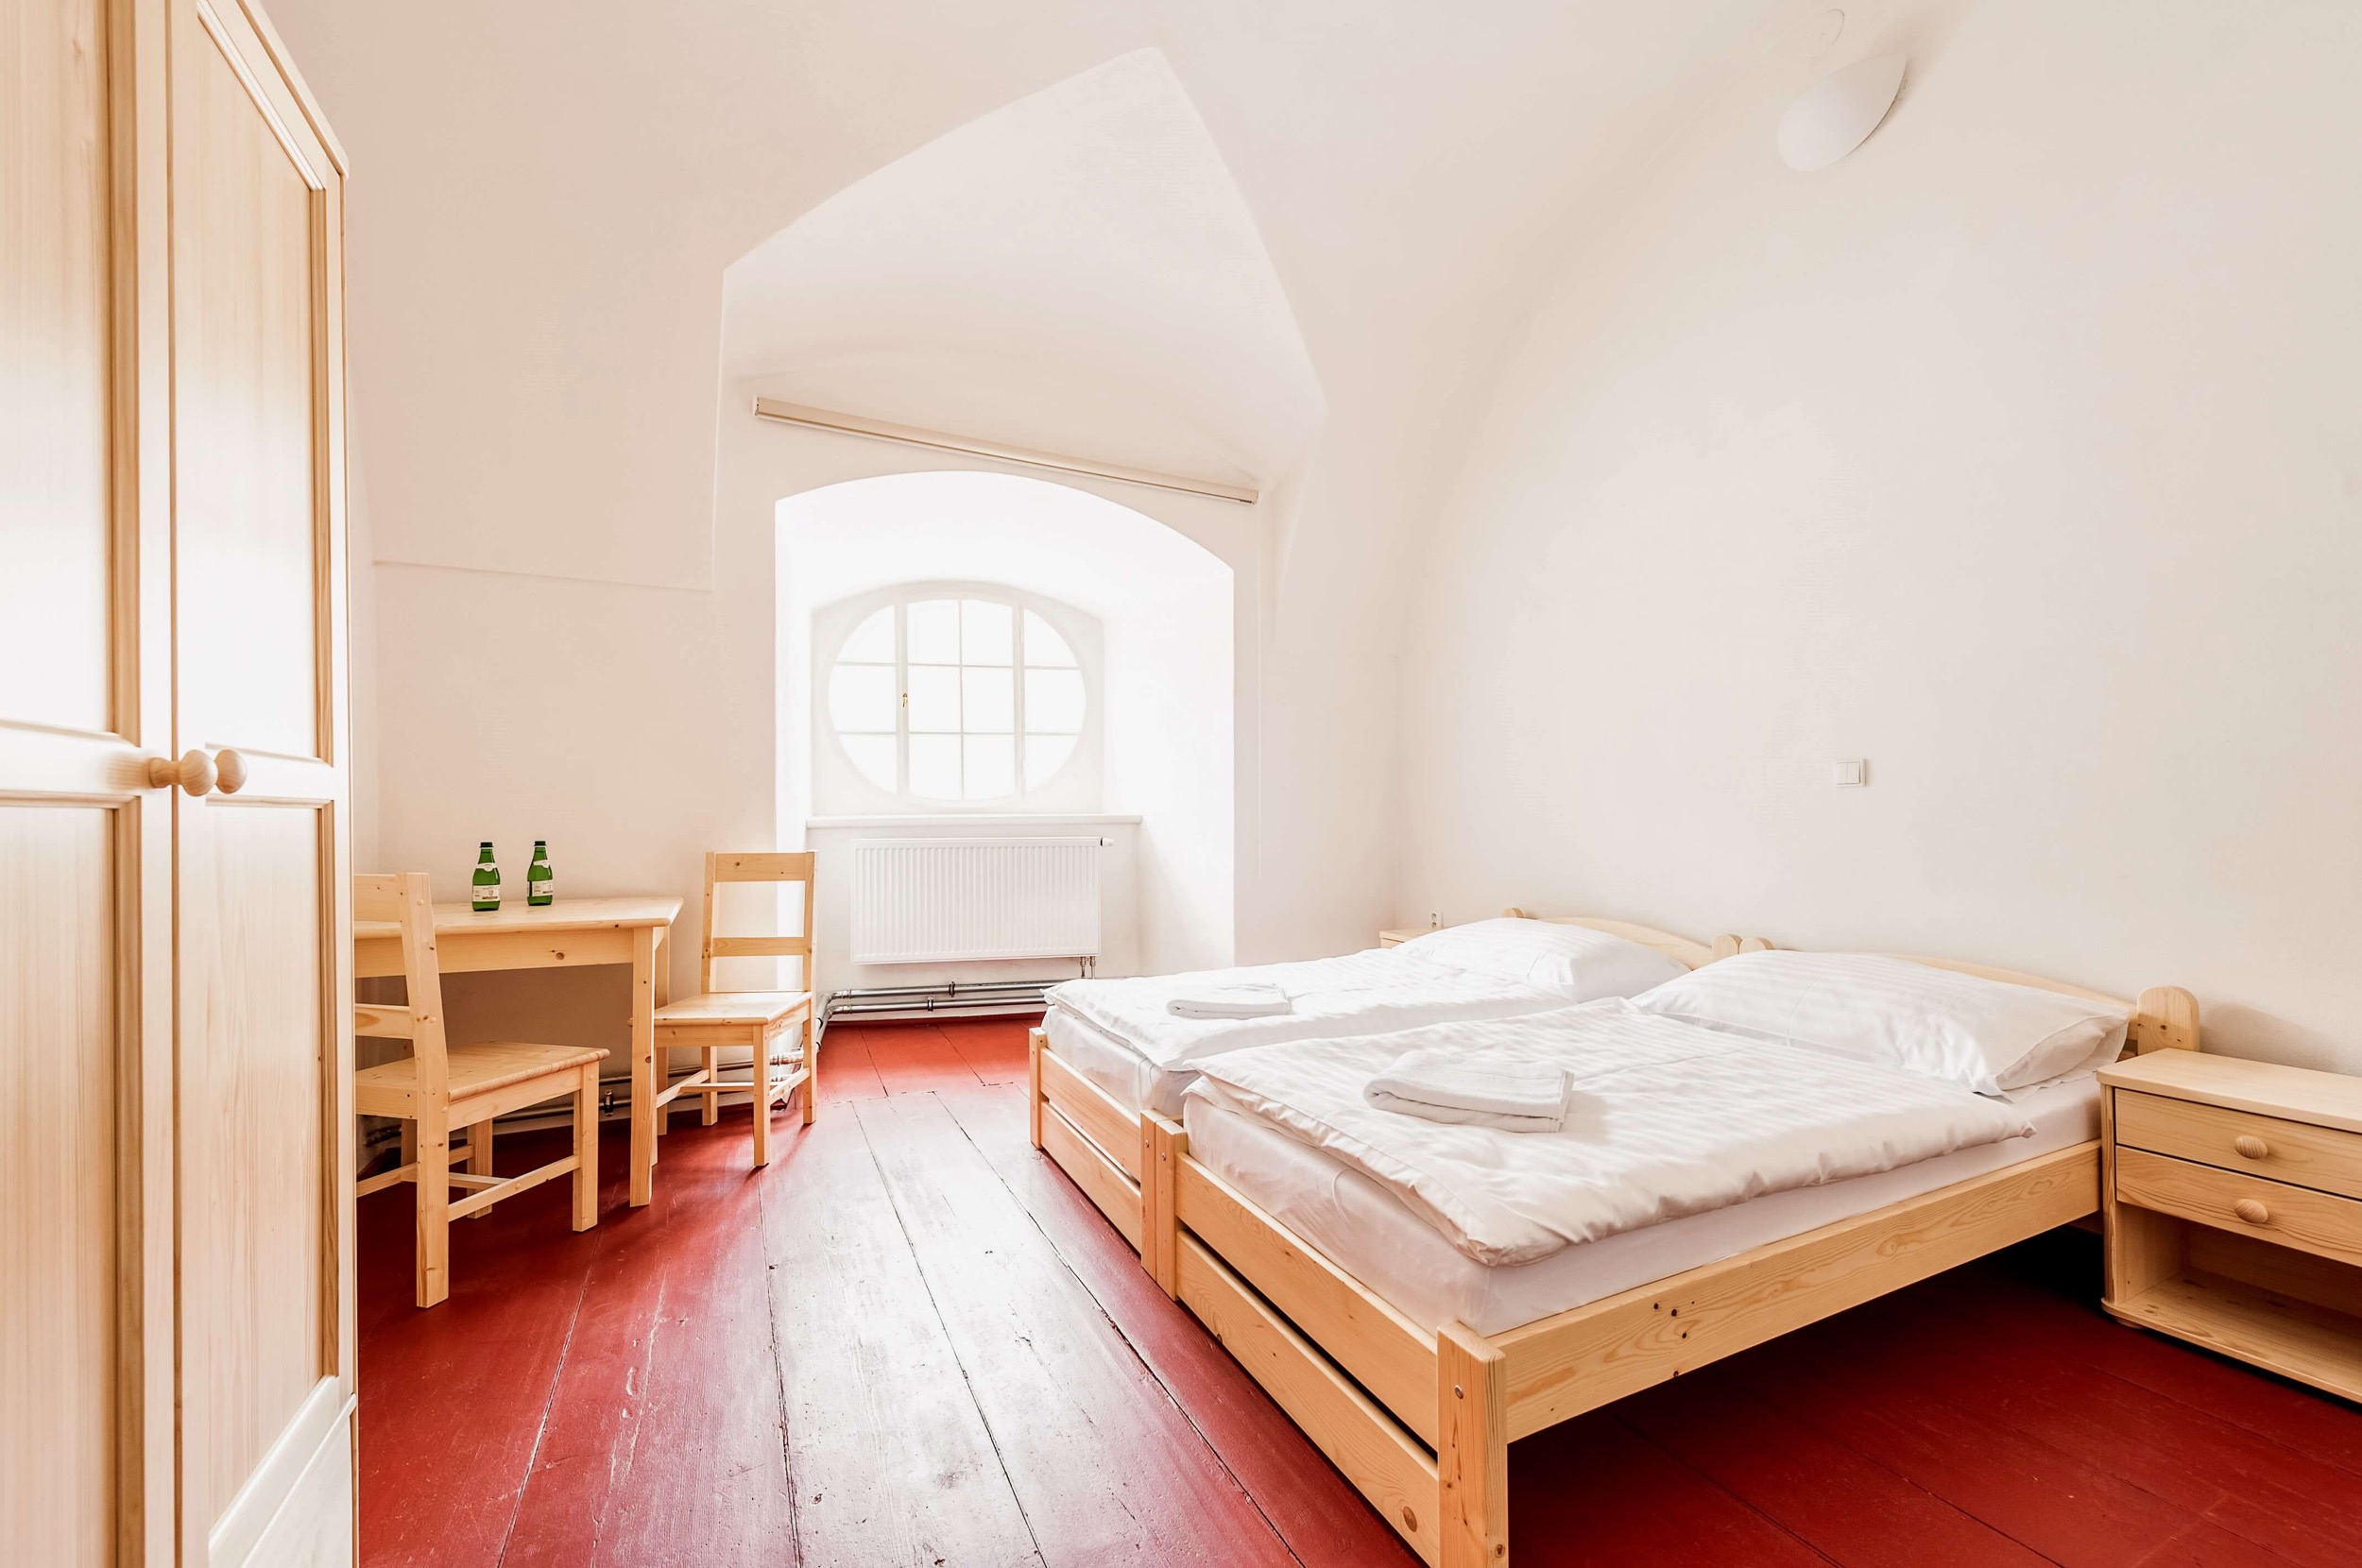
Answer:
x=2251 y=1211
x=194 y=772
x=2251 y=1146
x=230 y=770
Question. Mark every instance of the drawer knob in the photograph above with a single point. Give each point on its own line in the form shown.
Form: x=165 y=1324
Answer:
x=2251 y=1146
x=2251 y=1211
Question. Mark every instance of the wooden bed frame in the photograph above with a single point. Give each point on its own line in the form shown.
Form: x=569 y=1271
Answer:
x=1421 y=1423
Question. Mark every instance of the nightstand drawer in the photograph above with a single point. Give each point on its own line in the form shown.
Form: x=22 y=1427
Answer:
x=2322 y=1157
x=2317 y=1222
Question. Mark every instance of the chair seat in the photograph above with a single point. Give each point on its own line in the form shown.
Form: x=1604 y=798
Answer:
x=474 y=1069
x=734 y=1007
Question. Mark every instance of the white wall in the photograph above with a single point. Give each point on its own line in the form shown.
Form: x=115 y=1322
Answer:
x=2020 y=454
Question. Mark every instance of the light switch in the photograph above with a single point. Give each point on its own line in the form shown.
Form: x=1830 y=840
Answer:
x=1849 y=775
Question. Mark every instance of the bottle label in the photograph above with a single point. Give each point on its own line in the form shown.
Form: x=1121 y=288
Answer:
x=489 y=893
x=538 y=888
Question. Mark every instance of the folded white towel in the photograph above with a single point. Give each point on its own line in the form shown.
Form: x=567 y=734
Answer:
x=1230 y=1002
x=1445 y=1085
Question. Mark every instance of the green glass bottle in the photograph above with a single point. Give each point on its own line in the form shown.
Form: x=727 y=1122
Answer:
x=488 y=880
x=538 y=883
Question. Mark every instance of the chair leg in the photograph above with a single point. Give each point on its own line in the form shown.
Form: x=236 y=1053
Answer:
x=480 y=1157
x=758 y=1062
x=712 y=1058
x=587 y=1148
x=811 y=1068
x=433 y=1193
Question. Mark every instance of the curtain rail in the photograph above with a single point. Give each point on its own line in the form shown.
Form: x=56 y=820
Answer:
x=855 y=424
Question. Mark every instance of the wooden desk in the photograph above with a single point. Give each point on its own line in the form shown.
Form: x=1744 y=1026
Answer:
x=559 y=935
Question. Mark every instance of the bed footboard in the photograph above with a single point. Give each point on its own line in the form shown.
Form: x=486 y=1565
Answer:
x=1092 y=1137
x=1421 y=1423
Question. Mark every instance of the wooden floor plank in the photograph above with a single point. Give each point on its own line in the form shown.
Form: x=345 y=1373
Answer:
x=994 y=1049
x=1314 y=1508
x=2058 y=1275
x=2274 y=1496
x=1106 y=1467
x=1593 y=1492
x=590 y=1428
x=847 y=1071
x=703 y=1476
x=1884 y=1407
x=891 y=1458
x=494 y=1349
x=917 y=1059
x=1859 y=1513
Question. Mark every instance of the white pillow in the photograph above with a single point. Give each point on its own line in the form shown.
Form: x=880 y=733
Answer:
x=1576 y=962
x=1987 y=1035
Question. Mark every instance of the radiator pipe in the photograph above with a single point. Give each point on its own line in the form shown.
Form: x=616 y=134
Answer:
x=943 y=996
x=941 y=988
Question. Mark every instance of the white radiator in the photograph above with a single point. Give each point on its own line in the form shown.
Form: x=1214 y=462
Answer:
x=950 y=900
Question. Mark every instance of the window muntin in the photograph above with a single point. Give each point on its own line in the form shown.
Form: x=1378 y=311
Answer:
x=957 y=699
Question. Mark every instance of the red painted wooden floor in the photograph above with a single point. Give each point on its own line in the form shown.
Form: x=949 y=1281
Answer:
x=911 y=1341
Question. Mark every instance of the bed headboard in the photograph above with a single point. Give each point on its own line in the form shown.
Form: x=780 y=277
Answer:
x=1680 y=949
x=2164 y=1018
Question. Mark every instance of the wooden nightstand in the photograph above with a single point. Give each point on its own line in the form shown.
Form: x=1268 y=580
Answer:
x=2231 y=1198
x=1396 y=938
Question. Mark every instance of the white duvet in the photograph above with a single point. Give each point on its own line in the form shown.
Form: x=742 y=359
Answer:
x=1665 y=1119
x=1365 y=993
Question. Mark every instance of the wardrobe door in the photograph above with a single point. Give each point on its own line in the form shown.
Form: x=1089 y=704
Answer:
x=264 y=969
x=86 y=1389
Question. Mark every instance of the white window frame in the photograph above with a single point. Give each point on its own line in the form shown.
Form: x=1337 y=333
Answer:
x=900 y=600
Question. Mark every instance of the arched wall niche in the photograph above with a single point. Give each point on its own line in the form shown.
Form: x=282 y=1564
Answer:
x=1165 y=609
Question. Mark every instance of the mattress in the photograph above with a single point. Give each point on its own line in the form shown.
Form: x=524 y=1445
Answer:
x=1356 y=994
x=1369 y=1233
x=1135 y=1083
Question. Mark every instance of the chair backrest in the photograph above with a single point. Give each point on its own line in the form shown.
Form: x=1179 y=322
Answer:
x=404 y=900
x=772 y=867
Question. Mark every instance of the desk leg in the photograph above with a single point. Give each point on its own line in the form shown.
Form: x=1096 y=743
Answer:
x=664 y=1057
x=644 y=1084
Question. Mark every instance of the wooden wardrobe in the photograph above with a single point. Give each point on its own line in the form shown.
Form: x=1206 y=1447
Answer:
x=175 y=1258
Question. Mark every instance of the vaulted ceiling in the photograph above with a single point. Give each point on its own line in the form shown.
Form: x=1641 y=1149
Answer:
x=1235 y=219
x=1075 y=270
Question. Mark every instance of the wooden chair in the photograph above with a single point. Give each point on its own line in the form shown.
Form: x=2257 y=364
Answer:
x=714 y=1021
x=437 y=1087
